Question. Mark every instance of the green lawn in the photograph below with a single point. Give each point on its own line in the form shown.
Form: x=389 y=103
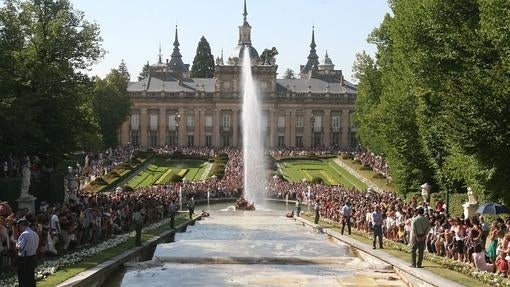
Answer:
x=161 y=170
x=330 y=172
x=93 y=261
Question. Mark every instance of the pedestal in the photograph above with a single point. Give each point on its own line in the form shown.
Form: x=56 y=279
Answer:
x=27 y=201
x=470 y=209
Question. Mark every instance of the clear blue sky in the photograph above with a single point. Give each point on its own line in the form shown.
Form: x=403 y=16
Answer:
x=133 y=30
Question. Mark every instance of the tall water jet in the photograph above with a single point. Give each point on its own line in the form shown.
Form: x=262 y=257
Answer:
x=253 y=135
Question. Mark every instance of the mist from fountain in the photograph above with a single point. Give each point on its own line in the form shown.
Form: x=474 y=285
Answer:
x=253 y=135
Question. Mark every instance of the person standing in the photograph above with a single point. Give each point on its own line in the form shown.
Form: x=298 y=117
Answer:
x=138 y=220
x=377 y=222
x=317 y=208
x=420 y=229
x=191 y=207
x=298 y=206
x=27 y=244
x=346 y=217
x=172 y=209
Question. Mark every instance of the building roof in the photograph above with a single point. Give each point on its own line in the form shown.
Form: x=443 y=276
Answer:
x=315 y=86
x=153 y=84
x=300 y=86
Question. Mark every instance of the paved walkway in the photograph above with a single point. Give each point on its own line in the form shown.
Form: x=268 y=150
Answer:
x=415 y=276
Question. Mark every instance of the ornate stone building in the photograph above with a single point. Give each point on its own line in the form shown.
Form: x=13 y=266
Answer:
x=171 y=108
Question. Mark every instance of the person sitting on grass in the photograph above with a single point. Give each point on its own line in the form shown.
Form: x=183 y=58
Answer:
x=502 y=264
x=204 y=213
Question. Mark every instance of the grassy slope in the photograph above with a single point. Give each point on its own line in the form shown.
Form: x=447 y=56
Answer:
x=327 y=169
x=159 y=167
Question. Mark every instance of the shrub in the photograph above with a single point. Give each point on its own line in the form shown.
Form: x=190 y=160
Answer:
x=128 y=188
x=100 y=181
x=347 y=156
x=113 y=174
x=175 y=178
x=365 y=167
x=317 y=180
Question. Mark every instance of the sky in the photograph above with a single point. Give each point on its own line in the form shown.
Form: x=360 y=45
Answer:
x=133 y=30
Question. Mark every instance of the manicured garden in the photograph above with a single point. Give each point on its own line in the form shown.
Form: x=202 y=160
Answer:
x=324 y=170
x=166 y=170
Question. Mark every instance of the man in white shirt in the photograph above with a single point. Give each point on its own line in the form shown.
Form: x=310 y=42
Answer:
x=27 y=244
x=346 y=217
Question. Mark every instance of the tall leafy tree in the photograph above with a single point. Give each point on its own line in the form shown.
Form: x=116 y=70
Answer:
x=289 y=74
x=111 y=104
x=44 y=106
x=145 y=72
x=124 y=70
x=203 y=63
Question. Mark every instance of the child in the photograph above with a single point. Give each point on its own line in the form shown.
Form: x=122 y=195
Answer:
x=501 y=264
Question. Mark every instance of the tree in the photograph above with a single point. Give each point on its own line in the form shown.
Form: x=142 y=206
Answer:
x=44 y=107
x=268 y=56
x=145 y=72
x=203 y=63
x=124 y=70
x=111 y=104
x=289 y=74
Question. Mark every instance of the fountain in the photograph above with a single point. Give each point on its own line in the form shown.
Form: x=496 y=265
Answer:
x=253 y=135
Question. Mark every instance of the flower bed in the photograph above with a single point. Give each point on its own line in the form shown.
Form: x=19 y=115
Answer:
x=51 y=266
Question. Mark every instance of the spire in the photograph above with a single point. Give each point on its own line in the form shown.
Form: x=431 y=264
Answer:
x=313 y=59
x=245 y=12
x=326 y=56
x=245 y=29
x=176 y=52
x=176 y=41
x=160 y=56
x=312 y=45
x=176 y=64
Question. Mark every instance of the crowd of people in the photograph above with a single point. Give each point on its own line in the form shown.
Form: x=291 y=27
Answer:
x=467 y=240
x=90 y=218
x=375 y=162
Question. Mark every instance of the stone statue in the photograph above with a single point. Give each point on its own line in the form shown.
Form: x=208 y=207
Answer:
x=25 y=177
x=425 y=192
x=472 y=197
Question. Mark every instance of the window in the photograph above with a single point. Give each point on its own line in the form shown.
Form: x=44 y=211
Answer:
x=226 y=140
x=317 y=140
x=208 y=121
x=135 y=138
x=153 y=122
x=265 y=122
x=281 y=122
x=190 y=121
x=191 y=140
x=281 y=141
x=172 y=138
x=335 y=123
x=317 y=124
x=208 y=140
x=299 y=122
x=299 y=141
x=335 y=139
x=172 y=123
x=135 y=122
x=226 y=122
x=153 y=138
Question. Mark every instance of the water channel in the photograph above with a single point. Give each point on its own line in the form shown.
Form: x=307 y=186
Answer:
x=261 y=248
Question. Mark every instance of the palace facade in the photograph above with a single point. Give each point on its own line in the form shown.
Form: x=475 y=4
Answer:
x=171 y=108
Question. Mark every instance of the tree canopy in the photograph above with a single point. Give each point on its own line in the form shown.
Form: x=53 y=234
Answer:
x=203 y=63
x=435 y=100
x=44 y=96
x=111 y=103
